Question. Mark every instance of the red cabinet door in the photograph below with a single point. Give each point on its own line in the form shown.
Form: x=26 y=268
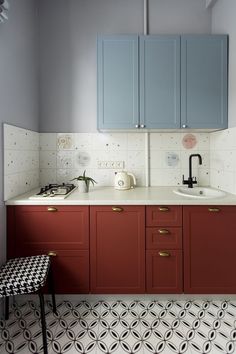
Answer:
x=117 y=249
x=64 y=230
x=164 y=271
x=209 y=249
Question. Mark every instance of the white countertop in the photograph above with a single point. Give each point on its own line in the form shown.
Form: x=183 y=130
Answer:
x=110 y=196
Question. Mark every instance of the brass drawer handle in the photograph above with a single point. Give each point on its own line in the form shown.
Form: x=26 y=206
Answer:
x=52 y=254
x=163 y=209
x=164 y=254
x=117 y=209
x=216 y=210
x=163 y=231
x=52 y=209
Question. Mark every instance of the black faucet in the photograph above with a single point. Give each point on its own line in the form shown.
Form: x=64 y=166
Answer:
x=192 y=180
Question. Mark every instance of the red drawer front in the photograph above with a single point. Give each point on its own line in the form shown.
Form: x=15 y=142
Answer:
x=164 y=273
x=66 y=226
x=164 y=215
x=164 y=237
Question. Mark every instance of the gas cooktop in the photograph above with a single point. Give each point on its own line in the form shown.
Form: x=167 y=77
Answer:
x=56 y=191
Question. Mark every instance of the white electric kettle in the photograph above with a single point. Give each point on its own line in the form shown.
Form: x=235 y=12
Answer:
x=124 y=180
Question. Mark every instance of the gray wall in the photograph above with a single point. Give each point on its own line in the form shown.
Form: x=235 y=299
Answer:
x=223 y=21
x=18 y=79
x=68 y=32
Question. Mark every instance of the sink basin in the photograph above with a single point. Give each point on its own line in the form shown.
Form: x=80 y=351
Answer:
x=200 y=192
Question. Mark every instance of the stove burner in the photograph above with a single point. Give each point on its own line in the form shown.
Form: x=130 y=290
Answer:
x=55 y=190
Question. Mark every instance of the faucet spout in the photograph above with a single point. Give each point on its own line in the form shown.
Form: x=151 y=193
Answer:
x=191 y=180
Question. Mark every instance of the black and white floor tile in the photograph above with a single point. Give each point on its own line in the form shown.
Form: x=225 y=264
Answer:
x=122 y=327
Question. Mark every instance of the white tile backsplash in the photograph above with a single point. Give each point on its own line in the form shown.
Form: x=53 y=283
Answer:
x=223 y=160
x=21 y=161
x=32 y=159
x=169 y=158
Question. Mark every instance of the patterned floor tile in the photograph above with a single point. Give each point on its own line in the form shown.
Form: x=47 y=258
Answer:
x=76 y=335
x=120 y=309
x=122 y=326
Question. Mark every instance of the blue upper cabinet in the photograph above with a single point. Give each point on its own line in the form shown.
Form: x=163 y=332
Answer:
x=204 y=81
x=160 y=82
x=118 y=92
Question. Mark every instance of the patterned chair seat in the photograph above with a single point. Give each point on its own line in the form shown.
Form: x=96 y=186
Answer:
x=23 y=275
x=27 y=275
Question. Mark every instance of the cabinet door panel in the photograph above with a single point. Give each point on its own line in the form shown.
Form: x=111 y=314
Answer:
x=209 y=250
x=118 y=82
x=164 y=237
x=68 y=227
x=160 y=81
x=117 y=253
x=165 y=215
x=70 y=268
x=164 y=274
x=204 y=81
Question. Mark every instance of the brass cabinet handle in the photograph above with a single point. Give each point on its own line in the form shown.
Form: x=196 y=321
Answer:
x=216 y=210
x=163 y=209
x=164 y=254
x=163 y=231
x=117 y=209
x=52 y=254
x=53 y=209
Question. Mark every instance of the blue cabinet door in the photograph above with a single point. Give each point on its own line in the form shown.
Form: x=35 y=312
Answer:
x=160 y=81
x=204 y=81
x=118 y=82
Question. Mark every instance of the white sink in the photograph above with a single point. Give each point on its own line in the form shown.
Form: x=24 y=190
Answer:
x=199 y=192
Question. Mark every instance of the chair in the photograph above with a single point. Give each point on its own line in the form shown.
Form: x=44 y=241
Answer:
x=24 y=276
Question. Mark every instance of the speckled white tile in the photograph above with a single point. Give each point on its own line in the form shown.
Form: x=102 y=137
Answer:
x=48 y=141
x=136 y=141
x=48 y=159
x=21 y=160
x=104 y=141
x=47 y=175
x=65 y=159
x=164 y=141
x=66 y=175
x=103 y=177
x=135 y=159
x=20 y=139
x=223 y=160
x=83 y=141
x=163 y=177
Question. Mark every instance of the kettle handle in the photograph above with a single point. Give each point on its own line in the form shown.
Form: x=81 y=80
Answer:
x=134 y=179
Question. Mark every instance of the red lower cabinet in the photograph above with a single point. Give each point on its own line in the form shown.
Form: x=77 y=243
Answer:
x=117 y=249
x=164 y=256
x=62 y=230
x=209 y=249
x=164 y=271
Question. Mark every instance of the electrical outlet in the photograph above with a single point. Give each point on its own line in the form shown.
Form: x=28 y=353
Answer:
x=111 y=164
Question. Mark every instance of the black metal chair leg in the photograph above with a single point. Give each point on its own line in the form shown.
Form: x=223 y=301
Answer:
x=6 y=308
x=51 y=289
x=43 y=321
